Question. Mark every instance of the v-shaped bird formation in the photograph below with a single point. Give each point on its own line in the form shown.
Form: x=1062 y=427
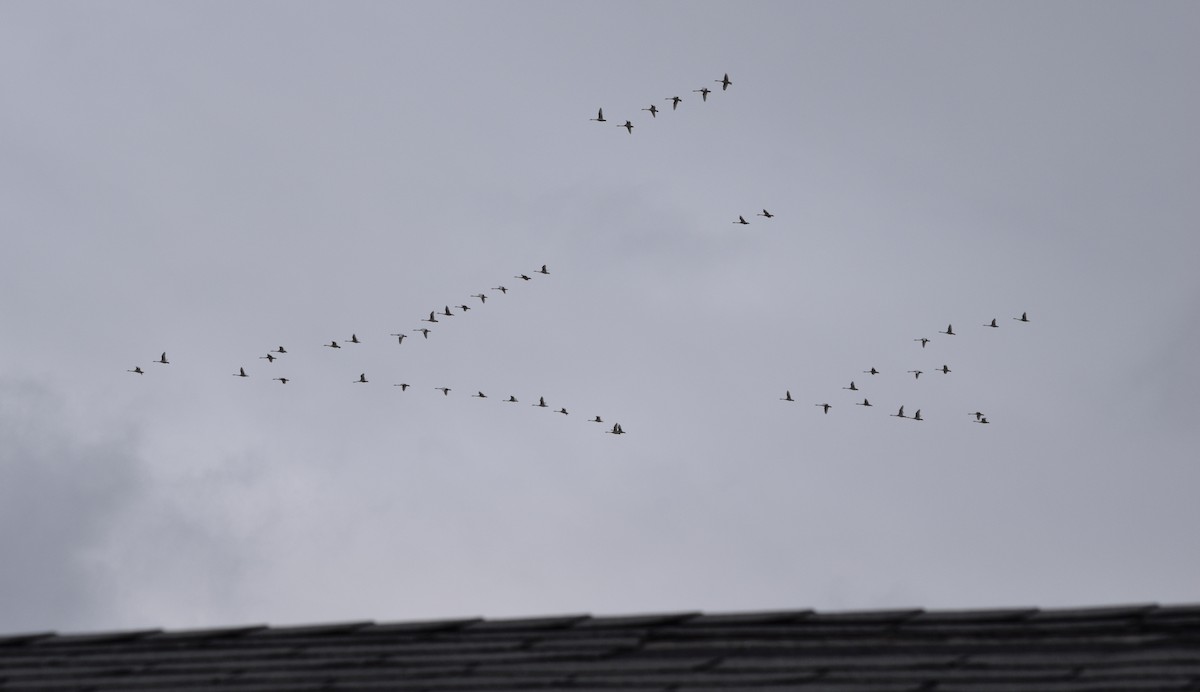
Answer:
x=436 y=316
x=916 y=373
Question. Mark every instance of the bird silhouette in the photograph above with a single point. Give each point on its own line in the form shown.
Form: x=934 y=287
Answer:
x=872 y=371
x=674 y=101
x=616 y=429
x=500 y=288
x=284 y=380
x=949 y=330
x=362 y=379
x=403 y=386
x=898 y=415
x=479 y=395
x=562 y=411
x=766 y=213
x=240 y=373
x=541 y=402
x=1023 y=318
x=543 y=270
x=481 y=296
x=400 y=338
x=523 y=277
x=628 y=126
x=788 y=397
x=825 y=406
x=992 y=324
x=917 y=415
x=137 y=370
x=163 y=359
x=724 y=82
x=600 y=117
x=332 y=344
x=864 y=403
x=945 y=369
x=511 y=399
x=851 y=387
x=595 y=420
x=444 y=390
x=978 y=415
x=923 y=341
x=269 y=358
x=742 y=220
x=653 y=110
x=915 y=373
x=432 y=317
x=981 y=420
x=424 y=332
x=446 y=311
x=464 y=308
x=703 y=93
x=354 y=339
x=280 y=350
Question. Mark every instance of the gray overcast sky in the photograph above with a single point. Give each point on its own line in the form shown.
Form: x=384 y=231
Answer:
x=216 y=179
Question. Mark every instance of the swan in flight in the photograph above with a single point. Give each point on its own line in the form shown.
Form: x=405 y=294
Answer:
x=653 y=110
x=724 y=82
x=825 y=406
x=788 y=397
x=240 y=373
x=674 y=101
x=703 y=93
x=599 y=117
x=137 y=370
x=1023 y=318
x=949 y=330
x=163 y=359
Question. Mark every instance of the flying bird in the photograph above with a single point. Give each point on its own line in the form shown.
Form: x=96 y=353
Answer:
x=481 y=296
x=653 y=110
x=915 y=373
x=917 y=415
x=240 y=373
x=424 y=332
x=511 y=399
x=279 y=350
x=628 y=126
x=163 y=359
x=674 y=101
x=333 y=344
x=500 y=288
x=724 y=82
x=898 y=415
x=362 y=379
x=400 y=337
x=403 y=386
x=703 y=93
x=543 y=270
x=981 y=420
x=949 y=330
x=825 y=406
x=479 y=395
x=872 y=371
x=945 y=369
x=541 y=402
x=523 y=277
x=446 y=311
x=137 y=370
x=923 y=341
x=284 y=380
x=978 y=415
x=788 y=397
x=464 y=308
x=993 y=323
x=616 y=429
x=1023 y=318
x=595 y=420
x=851 y=387
x=599 y=117
x=562 y=411
x=444 y=390
x=269 y=358
x=864 y=403
x=742 y=220
x=766 y=213
x=432 y=317
x=354 y=339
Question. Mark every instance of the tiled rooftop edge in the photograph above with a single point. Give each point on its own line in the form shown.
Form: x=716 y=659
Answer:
x=915 y=616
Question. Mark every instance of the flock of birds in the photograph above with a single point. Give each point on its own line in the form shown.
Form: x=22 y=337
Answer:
x=446 y=312
x=653 y=110
x=979 y=416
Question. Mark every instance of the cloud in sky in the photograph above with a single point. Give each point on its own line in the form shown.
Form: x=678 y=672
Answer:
x=218 y=181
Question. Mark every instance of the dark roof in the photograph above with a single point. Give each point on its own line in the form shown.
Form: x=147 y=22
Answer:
x=1141 y=647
